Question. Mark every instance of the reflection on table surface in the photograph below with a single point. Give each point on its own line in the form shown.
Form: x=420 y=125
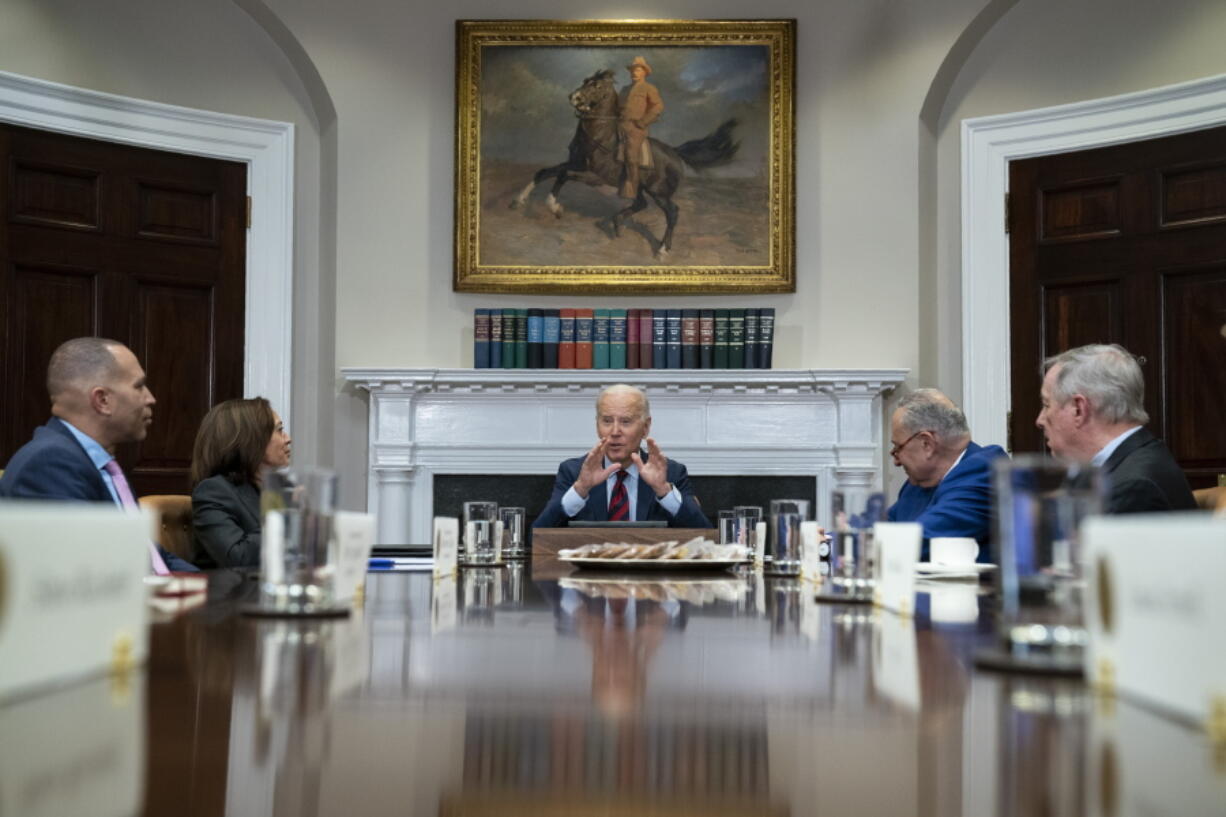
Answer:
x=497 y=693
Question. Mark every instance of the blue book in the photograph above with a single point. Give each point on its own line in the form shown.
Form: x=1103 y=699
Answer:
x=552 y=333
x=659 y=341
x=600 y=339
x=674 y=339
x=508 y=338
x=536 y=338
x=617 y=338
x=496 y=338
x=481 y=338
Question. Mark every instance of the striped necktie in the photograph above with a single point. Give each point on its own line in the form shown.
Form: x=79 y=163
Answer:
x=619 y=505
x=128 y=502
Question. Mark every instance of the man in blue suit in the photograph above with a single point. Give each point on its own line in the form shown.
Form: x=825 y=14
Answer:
x=99 y=399
x=949 y=477
x=615 y=480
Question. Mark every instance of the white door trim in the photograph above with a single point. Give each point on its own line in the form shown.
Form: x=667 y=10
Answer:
x=989 y=143
x=267 y=147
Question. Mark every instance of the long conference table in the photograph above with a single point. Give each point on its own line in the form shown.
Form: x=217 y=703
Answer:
x=502 y=692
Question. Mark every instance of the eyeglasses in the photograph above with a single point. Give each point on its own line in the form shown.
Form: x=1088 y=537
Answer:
x=895 y=449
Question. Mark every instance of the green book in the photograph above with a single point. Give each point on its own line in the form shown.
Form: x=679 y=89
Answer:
x=508 y=338
x=521 y=338
x=721 y=339
x=600 y=339
x=617 y=338
x=736 y=338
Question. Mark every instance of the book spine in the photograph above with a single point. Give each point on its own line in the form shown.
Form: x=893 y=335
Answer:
x=481 y=338
x=600 y=339
x=552 y=331
x=706 y=339
x=645 y=345
x=496 y=338
x=566 y=339
x=766 y=337
x=736 y=339
x=721 y=339
x=751 y=338
x=508 y=338
x=536 y=338
x=659 y=340
x=689 y=338
x=674 y=339
x=632 y=339
x=583 y=338
x=521 y=338
x=617 y=338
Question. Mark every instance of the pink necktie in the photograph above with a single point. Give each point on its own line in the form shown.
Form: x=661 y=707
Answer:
x=127 y=501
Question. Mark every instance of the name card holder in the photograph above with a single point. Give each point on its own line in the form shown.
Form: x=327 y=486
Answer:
x=899 y=544
x=1154 y=612
x=446 y=546
x=355 y=536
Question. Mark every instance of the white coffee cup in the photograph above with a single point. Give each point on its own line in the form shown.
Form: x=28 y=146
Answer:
x=953 y=551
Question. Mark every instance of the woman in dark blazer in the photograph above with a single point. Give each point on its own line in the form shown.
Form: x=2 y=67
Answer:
x=236 y=441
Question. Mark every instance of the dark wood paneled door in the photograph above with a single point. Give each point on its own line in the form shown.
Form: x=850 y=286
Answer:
x=139 y=245
x=1127 y=244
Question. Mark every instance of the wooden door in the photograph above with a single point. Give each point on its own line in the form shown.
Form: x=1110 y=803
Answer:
x=1127 y=244
x=138 y=245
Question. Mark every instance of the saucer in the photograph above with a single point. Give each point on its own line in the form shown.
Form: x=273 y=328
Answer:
x=935 y=570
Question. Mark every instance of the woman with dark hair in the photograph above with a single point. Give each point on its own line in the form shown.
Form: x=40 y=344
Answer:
x=236 y=441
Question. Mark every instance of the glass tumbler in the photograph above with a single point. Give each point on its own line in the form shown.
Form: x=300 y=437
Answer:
x=784 y=534
x=513 y=532
x=480 y=520
x=297 y=562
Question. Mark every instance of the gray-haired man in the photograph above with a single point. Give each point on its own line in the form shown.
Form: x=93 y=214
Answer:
x=1093 y=412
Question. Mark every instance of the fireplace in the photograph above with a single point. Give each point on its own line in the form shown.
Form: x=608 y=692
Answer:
x=789 y=428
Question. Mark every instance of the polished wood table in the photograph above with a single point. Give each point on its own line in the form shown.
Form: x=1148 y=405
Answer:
x=498 y=693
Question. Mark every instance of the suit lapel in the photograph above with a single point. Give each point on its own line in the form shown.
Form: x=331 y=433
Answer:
x=646 y=498
x=598 y=501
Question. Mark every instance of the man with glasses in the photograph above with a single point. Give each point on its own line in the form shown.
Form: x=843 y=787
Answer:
x=949 y=477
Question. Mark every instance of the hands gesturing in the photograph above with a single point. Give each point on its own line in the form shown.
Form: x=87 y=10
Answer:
x=593 y=472
x=655 y=471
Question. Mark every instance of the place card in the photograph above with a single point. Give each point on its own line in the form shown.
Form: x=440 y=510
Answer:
x=76 y=571
x=446 y=544
x=1154 y=612
x=811 y=543
x=759 y=544
x=899 y=544
x=355 y=536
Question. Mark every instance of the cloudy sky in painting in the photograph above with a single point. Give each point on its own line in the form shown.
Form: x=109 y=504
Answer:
x=526 y=116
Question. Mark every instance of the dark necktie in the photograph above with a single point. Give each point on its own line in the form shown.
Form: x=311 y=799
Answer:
x=619 y=505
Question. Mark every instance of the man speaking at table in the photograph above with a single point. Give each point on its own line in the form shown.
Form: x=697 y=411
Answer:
x=616 y=480
x=99 y=399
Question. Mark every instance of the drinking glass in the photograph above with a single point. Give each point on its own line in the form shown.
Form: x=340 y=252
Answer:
x=784 y=534
x=747 y=519
x=1039 y=506
x=727 y=527
x=513 y=531
x=480 y=519
x=853 y=555
x=297 y=563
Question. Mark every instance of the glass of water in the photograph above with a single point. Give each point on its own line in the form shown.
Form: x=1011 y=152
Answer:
x=747 y=519
x=853 y=556
x=297 y=563
x=784 y=534
x=480 y=520
x=513 y=532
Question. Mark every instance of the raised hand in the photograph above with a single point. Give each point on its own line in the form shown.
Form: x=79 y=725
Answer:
x=593 y=472
x=655 y=471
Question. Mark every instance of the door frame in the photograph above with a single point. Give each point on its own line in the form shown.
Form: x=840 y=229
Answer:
x=989 y=143
x=265 y=146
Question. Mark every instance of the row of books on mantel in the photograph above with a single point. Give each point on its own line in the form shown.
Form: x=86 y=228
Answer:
x=623 y=338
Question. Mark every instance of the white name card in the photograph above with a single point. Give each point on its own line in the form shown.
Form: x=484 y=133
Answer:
x=446 y=543
x=1154 y=611
x=75 y=571
x=811 y=541
x=355 y=536
x=899 y=546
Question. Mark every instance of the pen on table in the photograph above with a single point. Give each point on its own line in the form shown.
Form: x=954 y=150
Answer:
x=381 y=564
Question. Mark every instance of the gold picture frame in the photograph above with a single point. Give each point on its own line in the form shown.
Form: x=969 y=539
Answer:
x=533 y=96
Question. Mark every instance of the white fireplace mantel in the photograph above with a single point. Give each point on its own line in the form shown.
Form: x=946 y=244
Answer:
x=827 y=423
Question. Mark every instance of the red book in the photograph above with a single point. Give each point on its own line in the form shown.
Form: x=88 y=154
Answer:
x=583 y=338
x=645 y=316
x=566 y=339
x=632 y=339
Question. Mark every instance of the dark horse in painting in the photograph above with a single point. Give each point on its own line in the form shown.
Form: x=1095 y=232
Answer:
x=594 y=158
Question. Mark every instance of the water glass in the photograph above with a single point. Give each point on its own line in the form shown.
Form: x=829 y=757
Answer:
x=1039 y=506
x=513 y=532
x=297 y=562
x=480 y=520
x=747 y=519
x=853 y=555
x=784 y=534
x=727 y=527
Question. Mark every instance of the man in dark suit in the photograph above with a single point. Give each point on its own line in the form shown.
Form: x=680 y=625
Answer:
x=615 y=480
x=1093 y=412
x=949 y=477
x=99 y=399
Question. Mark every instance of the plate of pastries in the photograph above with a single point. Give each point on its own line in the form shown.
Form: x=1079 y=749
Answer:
x=696 y=554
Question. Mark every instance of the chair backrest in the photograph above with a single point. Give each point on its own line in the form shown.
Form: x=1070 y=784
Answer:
x=1208 y=499
x=175 y=512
